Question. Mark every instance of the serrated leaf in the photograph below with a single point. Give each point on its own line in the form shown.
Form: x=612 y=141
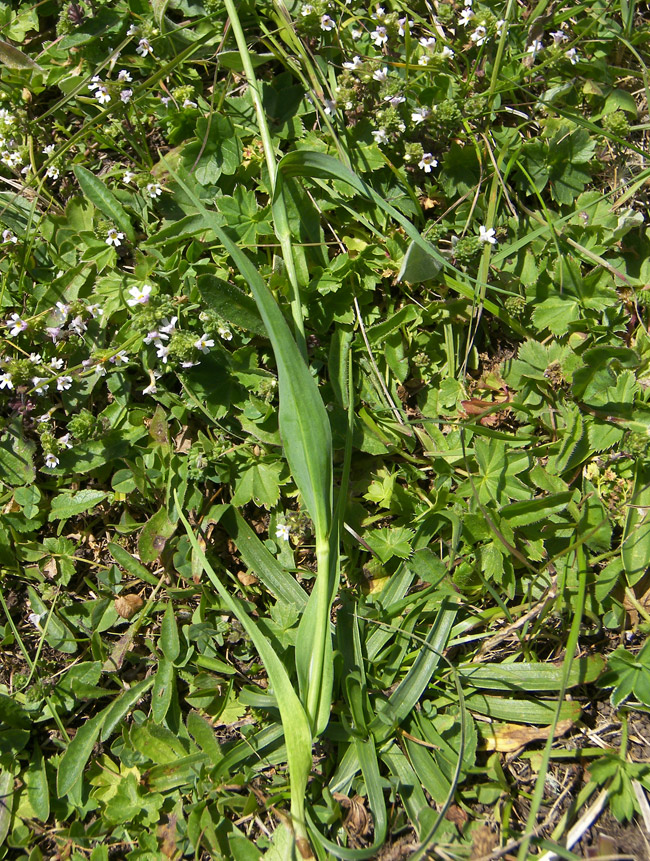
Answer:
x=391 y=541
x=67 y=505
x=259 y=483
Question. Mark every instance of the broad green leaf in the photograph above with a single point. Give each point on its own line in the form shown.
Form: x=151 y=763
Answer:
x=635 y=548
x=13 y=714
x=117 y=710
x=6 y=807
x=418 y=265
x=78 y=753
x=391 y=541
x=38 y=791
x=13 y=58
x=130 y=564
x=154 y=535
x=231 y=303
x=67 y=505
x=57 y=634
x=104 y=199
x=169 y=641
x=258 y=483
x=16 y=456
x=162 y=691
x=203 y=734
x=534 y=510
x=530 y=677
x=156 y=742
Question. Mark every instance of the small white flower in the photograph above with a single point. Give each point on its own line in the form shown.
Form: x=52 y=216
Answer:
x=380 y=136
x=35 y=618
x=77 y=325
x=52 y=172
x=500 y=27
x=63 y=311
x=395 y=100
x=379 y=14
x=424 y=60
x=419 y=115
x=162 y=352
x=120 y=357
x=168 y=326
x=124 y=76
x=7 y=118
x=282 y=531
x=487 y=234
x=155 y=337
x=95 y=83
x=535 y=47
x=140 y=296
x=45 y=417
x=427 y=162
x=165 y=100
x=9 y=236
x=15 y=325
x=330 y=106
x=95 y=311
x=479 y=35
x=428 y=42
x=154 y=189
x=380 y=75
x=401 y=23
x=102 y=95
x=36 y=381
x=56 y=363
x=113 y=237
x=133 y=29
x=64 y=383
x=188 y=103
x=189 y=364
x=447 y=53
x=51 y=461
x=465 y=16
x=224 y=333
x=36 y=358
x=151 y=389
x=572 y=55
x=559 y=37
x=49 y=149
x=53 y=332
x=11 y=159
x=128 y=176
x=356 y=34
x=326 y=23
x=379 y=36
x=144 y=48
x=355 y=63
x=65 y=441
x=6 y=382
x=204 y=343
x=125 y=96
x=306 y=9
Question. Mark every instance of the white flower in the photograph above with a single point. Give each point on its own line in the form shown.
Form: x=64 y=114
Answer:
x=356 y=34
x=162 y=352
x=168 y=326
x=77 y=325
x=379 y=36
x=468 y=2
x=95 y=83
x=140 y=296
x=65 y=441
x=51 y=460
x=125 y=95
x=447 y=53
x=204 y=343
x=395 y=100
x=559 y=37
x=189 y=364
x=144 y=48
x=479 y=35
x=53 y=332
x=102 y=95
x=188 y=103
x=36 y=358
x=128 y=176
x=424 y=60
x=487 y=234
x=113 y=237
x=326 y=23
x=45 y=417
x=124 y=76
x=380 y=136
x=63 y=311
x=133 y=29
x=8 y=236
x=355 y=63
x=330 y=106
x=500 y=25
x=64 y=383
x=49 y=149
x=427 y=162
x=5 y=381
x=306 y=9
x=151 y=389
x=120 y=357
x=155 y=337
x=535 y=47
x=11 y=159
x=52 y=172
x=95 y=311
x=428 y=42
x=419 y=115
x=401 y=24
x=56 y=364
x=37 y=385
x=7 y=118
x=154 y=189
x=15 y=325
x=465 y=16
x=224 y=333
x=379 y=14
x=282 y=531
x=165 y=100
x=380 y=75
x=572 y=55
x=35 y=618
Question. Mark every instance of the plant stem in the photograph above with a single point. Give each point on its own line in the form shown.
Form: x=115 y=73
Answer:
x=321 y=632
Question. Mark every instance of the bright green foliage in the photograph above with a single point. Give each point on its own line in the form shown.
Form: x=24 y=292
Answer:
x=629 y=675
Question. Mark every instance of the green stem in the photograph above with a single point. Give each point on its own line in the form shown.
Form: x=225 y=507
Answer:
x=321 y=632
x=279 y=208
